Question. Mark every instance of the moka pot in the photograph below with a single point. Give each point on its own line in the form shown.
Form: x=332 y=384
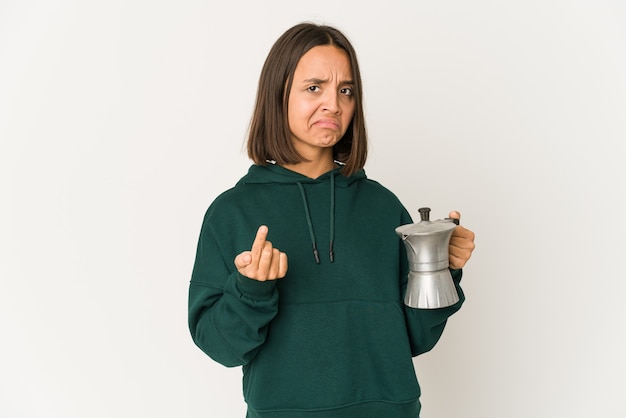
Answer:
x=430 y=284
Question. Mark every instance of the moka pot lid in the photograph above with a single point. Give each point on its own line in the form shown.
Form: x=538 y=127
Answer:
x=425 y=226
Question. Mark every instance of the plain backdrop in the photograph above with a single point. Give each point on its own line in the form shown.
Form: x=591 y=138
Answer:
x=121 y=120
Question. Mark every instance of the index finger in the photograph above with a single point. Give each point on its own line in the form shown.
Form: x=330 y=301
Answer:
x=259 y=241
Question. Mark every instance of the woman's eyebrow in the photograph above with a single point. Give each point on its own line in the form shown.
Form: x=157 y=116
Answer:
x=322 y=81
x=316 y=80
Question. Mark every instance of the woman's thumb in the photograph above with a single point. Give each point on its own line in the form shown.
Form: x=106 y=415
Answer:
x=243 y=260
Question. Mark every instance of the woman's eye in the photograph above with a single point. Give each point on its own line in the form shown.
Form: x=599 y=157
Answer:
x=347 y=91
x=314 y=89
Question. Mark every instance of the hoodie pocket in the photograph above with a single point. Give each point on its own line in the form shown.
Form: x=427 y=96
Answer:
x=330 y=355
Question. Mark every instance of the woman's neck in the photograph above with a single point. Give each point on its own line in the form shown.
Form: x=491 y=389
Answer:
x=312 y=169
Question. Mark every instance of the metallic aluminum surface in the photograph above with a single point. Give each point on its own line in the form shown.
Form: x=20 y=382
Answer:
x=430 y=284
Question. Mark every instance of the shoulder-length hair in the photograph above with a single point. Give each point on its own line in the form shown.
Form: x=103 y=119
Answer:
x=269 y=135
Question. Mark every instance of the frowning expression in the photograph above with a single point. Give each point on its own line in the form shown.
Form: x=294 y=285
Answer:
x=321 y=102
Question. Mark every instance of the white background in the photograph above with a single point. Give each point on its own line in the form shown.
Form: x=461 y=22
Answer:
x=121 y=120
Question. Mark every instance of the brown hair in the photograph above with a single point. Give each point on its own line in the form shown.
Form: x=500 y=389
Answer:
x=269 y=135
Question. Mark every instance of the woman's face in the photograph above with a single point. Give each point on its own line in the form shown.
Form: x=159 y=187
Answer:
x=321 y=102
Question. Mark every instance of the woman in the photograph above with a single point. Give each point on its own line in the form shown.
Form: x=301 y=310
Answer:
x=299 y=274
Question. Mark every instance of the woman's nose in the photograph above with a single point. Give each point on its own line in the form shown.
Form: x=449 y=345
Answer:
x=331 y=102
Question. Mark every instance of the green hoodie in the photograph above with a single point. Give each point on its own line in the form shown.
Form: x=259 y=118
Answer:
x=332 y=339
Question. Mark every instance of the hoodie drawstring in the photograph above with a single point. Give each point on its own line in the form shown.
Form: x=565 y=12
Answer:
x=316 y=253
x=332 y=217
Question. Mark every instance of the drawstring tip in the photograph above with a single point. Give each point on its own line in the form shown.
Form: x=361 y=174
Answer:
x=332 y=252
x=316 y=254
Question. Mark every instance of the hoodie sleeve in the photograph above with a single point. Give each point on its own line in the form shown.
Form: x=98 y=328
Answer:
x=425 y=326
x=229 y=314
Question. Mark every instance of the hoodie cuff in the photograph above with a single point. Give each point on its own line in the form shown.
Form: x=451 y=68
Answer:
x=456 y=275
x=255 y=289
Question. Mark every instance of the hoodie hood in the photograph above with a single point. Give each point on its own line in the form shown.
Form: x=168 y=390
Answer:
x=275 y=174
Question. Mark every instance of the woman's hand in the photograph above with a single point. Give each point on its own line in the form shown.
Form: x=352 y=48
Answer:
x=461 y=244
x=263 y=262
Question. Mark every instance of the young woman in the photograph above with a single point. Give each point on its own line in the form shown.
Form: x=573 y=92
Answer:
x=299 y=274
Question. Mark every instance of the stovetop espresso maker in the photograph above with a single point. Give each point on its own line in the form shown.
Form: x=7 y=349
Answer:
x=430 y=284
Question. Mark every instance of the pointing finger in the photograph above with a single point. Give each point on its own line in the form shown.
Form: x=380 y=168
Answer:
x=259 y=242
x=265 y=262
